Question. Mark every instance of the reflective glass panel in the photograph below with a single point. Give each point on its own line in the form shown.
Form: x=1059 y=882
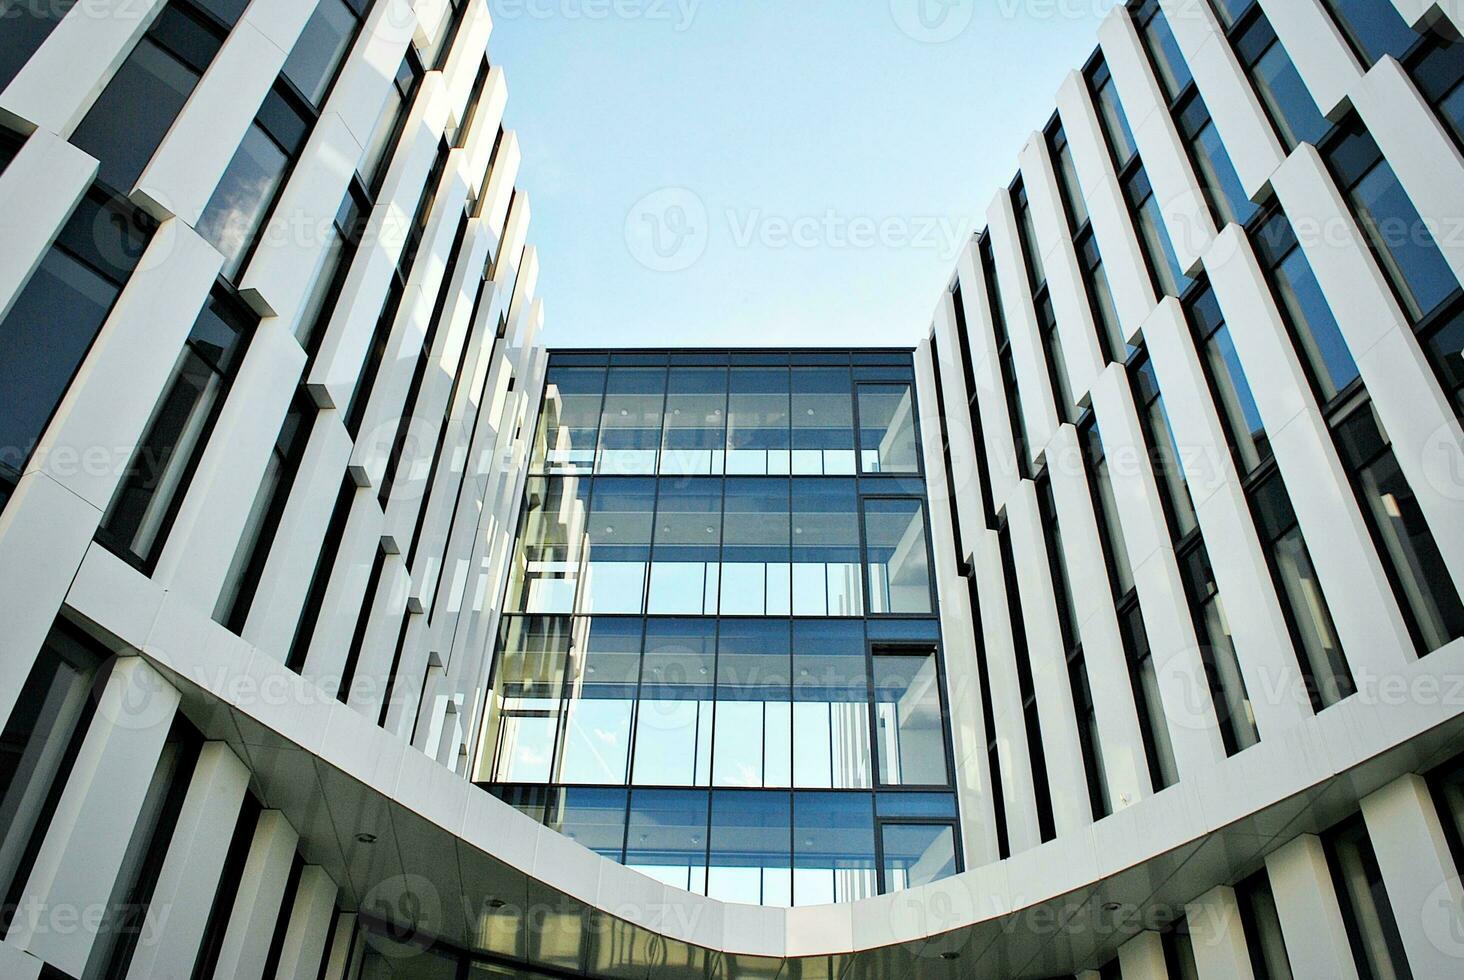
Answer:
x=551 y=545
x=887 y=429
x=319 y=49
x=595 y=818
x=833 y=848
x=917 y=854
x=909 y=720
x=753 y=744
x=823 y=422
x=750 y=862
x=630 y=424
x=826 y=580
x=604 y=673
x=673 y=741
x=756 y=574
x=685 y=566
x=569 y=424
x=758 y=437
x=831 y=706
x=694 y=441
x=899 y=559
x=528 y=685
x=619 y=547
x=666 y=838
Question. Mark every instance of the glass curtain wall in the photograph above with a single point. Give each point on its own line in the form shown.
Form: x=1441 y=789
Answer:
x=721 y=663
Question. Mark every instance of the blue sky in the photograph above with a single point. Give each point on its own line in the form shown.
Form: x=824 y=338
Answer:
x=779 y=172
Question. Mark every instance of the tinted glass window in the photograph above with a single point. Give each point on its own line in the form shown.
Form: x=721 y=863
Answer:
x=1375 y=27
x=27 y=25
x=135 y=110
x=58 y=314
x=917 y=854
x=319 y=49
x=833 y=848
x=241 y=201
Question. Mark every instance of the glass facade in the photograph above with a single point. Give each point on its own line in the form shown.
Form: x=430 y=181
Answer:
x=720 y=662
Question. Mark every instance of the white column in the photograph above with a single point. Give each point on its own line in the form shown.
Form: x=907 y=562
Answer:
x=1142 y=958
x=1311 y=919
x=1076 y=327
x=1188 y=707
x=309 y=928
x=17 y=964
x=1420 y=420
x=963 y=689
x=338 y=957
x=1123 y=257
x=1419 y=874
x=1234 y=105
x=280 y=595
x=38 y=191
x=1119 y=732
x=68 y=71
x=1018 y=791
x=1034 y=390
x=83 y=850
x=1176 y=189
x=1316 y=45
x=1253 y=612
x=328 y=645
x=190 y=874
x=196 y=559
x=1067 y=777
x=1368 y=622
x=257 y=901
x=186 y=169
x=108 y=406
x=1217 y=936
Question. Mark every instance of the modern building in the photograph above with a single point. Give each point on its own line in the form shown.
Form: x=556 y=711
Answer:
x=345 y=632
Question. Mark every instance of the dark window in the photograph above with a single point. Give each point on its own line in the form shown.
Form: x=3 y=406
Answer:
x=1419 y=571
x=1305 y=307
x=1220 y=182
x=230 y=878
x=1438 y=71
x=1005 y=358
x=1026 y=689
x=157 y=478
x=317 y=54
x=1402 y=240
x=342 y=242
x=240 y=204
x=375 y=159
x=363 y=620
x=1068 y=180
x=125 y=918
x=335 y=531
x=1110 y=113
x=1027 y=237
x=57 y=316
x=237 y=595
x=1217 y=651
x=38 y=745
x=129 y=119
x=1067 y=619
x=27 y=25
x=1163 y=449
x=1143 y=677
x=1289 y=102
x=1375 y=28
x=1169 y=278
x=1444 y=342
x=968 y=370
x=1100 y=299
x=470 y=110
x=1231 y=390
x=10 y=144
x=1056 y=359
x=1169 y=64
x=1179 y=953
x=371 y=366
x=1377 y=947
x=1262 y=925
x=1322 y=664
x=402 y=441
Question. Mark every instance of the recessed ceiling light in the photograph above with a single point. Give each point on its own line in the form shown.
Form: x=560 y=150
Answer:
x=496 y=903
x=950 y=954
x=365 y=838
